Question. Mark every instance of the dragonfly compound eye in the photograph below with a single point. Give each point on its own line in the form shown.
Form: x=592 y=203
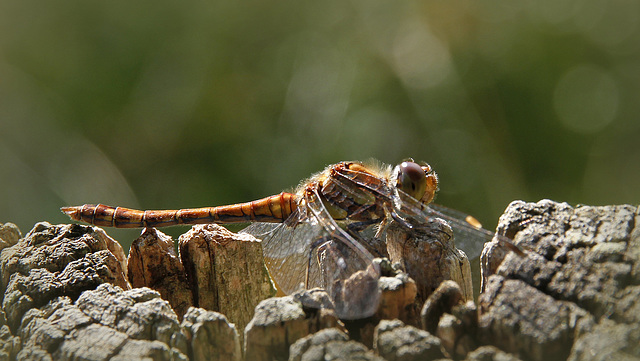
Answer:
x=412 y=179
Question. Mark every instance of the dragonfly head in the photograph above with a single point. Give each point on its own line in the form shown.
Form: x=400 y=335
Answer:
x=417 y=180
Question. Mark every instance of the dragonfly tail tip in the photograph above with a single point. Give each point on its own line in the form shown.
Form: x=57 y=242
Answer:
x=72 y=212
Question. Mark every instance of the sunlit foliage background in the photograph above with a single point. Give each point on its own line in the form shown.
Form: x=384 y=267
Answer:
x=170 y=104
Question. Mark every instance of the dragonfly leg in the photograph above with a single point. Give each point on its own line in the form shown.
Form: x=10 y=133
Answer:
x=374 y=244
x=396 y=217
x=357 y=227
x=438 y=230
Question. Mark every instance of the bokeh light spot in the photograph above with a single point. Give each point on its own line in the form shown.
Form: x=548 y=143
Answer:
x=420 y=60
x=586 y=99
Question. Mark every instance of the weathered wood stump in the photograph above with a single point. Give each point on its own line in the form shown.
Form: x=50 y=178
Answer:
x=225 y=271
x=330 y=344
x=52 y=261
x=211 y=337
x=153 y=263
x=393 y=340
x=397 y=301
x=398 y=294
x=447 y=315
x=9 y=235
x=428 y=255
x=9 y=344
x=66 y=296
x=279 y=322
x=574 y=295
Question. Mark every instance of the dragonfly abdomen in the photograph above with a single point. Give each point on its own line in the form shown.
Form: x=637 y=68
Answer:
x=270 y=209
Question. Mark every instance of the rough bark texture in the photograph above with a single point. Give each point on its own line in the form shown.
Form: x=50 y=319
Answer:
x=395 y=341
x=9 y=235
x=226 y=271
x=52 y=261
x=9 y=344
x=490 y=353
x=453 y=320
x=211 y=336
x=397 y=301
x=576 y=293
x=398 y=296
x=102 y=324
x=441 y=301
x=63 y=292
x=153 y=263
x=279 y=322
x=330 y=344
x=429 y=256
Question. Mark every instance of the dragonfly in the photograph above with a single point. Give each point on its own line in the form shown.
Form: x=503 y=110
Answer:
x=328 y=231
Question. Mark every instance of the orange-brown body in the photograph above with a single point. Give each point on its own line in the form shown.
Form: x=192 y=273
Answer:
x=270 y=209
x=347 y=189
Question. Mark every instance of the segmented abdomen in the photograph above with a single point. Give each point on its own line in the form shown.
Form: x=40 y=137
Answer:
x=275 y=208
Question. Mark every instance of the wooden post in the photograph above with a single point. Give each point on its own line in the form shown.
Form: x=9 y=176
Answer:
x=226 y=271
x=153 y=263
x=429 y=256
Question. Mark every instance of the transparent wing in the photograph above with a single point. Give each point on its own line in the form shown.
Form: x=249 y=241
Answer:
x=468 y=233
x=287 y=247
x=345 y=266
x=310 y=250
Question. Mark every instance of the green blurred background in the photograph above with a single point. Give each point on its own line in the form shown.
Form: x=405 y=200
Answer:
x=156 y=104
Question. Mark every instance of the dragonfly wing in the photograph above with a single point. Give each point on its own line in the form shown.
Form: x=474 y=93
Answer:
x=468 y=236
x=468 y=232
x=311 y=250
x=286 y=248
x=344 y=265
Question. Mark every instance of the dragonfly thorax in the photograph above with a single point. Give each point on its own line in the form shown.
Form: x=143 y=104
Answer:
x=351 y=191
x=354 y=191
